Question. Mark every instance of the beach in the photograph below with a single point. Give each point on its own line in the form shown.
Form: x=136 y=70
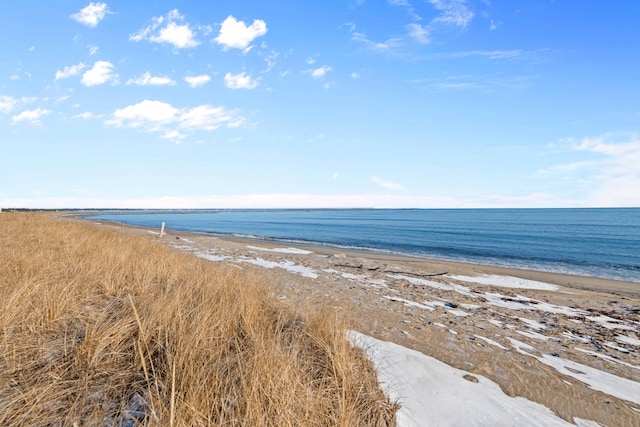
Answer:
x=567 y=343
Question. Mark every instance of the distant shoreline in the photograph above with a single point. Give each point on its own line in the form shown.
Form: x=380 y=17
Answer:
x=597 y=284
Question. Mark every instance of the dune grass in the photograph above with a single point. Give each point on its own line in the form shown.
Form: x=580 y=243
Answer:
x=106 y=328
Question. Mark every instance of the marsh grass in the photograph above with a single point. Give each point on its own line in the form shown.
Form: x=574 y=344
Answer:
x=105 y=328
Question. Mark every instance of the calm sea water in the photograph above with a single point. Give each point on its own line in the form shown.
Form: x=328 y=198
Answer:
x=589 y=242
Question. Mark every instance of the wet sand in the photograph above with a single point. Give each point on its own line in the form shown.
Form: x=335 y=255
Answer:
x=570 y=343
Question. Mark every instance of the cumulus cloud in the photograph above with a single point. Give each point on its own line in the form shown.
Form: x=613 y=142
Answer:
x=92 y=14
x=197 y=81
x=158 y=116
x=319 y=72
x=236 y=34
x=387 y=184
x=168 y=29
x=7 y=103
x=100 y=73
x=70 y=70
x=147 y=79
x=31 y=116
x=147 y=112
x=240 y=81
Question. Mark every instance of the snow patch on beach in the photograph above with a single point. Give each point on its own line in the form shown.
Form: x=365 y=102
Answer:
x=596 y=379
x=281 y=250
x=285 y=265
x=408 y=303
x=490 y=341
x=533 y=335
x=442 y=286
x=611 y=323
x=628 y=340
x=211 y=257
x=607 y=357
x=520 y=347
x=431 y=390
x=523 y=303
x=506 y=282
x=356 y=277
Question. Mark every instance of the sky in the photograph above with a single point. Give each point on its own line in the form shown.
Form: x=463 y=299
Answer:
x=309 y=104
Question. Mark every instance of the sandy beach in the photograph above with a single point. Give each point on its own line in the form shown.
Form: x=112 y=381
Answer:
x=569 y=343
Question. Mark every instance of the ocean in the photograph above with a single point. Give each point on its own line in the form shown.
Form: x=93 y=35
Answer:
x=588 y=242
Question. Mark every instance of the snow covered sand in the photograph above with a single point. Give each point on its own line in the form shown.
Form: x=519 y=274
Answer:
x=531 y=340
x=428 y=389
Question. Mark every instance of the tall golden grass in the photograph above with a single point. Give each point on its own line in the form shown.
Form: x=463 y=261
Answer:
x=105 y=328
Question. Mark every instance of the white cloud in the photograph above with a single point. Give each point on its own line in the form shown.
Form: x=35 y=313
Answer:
x=197 y=81
x=453 y=12
x=147 y=112
x=310 y=61
x=355 y=75
x=236 y=34
x=164 y=29
x=100 y=73
x=617 y=173
x=385 y=46
x=147 y=79
x=7 y=103
x=319 y=72
x=92 y=14
x=240 y=81
x=31 y=116
x=86 y=115
x=158 y=116
x=92 y=49
x=32 y=48
x=14 y=77
x=336 y=175
x=173 y=135
x=387 y=184
x=419 y=33
x=70 y=70
x=491 y=54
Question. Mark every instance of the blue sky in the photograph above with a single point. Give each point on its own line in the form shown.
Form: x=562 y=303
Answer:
x=336 y=103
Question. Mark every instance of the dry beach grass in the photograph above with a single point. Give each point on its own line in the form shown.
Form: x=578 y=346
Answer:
x=105 y=328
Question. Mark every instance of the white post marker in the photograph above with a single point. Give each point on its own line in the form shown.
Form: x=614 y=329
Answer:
x=161 y=230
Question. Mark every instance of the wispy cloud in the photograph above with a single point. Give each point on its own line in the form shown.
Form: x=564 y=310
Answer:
x=479 y=82
x=31 y=116
x=612 y=175
x=168 y=29
x=387 y=184
x=235 y=34
x=618 y=172
x=385 y=46
x=147 y=79
x=240 y=81
x=92 y=14
x=452 y=12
